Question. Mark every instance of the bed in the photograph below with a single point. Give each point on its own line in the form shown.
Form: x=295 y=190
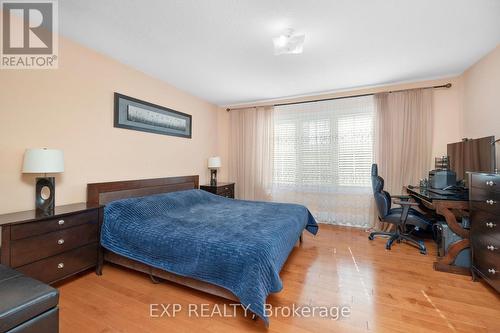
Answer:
x=168 y=228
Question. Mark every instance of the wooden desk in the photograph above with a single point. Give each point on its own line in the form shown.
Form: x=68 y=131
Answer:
x=452 y=208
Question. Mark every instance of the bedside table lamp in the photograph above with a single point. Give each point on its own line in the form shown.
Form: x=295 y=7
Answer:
x=213 y=164
x=44 y=161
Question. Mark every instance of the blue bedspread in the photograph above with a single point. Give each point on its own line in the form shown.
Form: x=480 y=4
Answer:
x=237 y=245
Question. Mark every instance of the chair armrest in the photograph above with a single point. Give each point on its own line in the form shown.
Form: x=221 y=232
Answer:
x=405 y=203
x=402 y=197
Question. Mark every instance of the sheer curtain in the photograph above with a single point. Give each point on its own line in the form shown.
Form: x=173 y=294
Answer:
x=251 y=152
x=404 y=137
x=322 y=157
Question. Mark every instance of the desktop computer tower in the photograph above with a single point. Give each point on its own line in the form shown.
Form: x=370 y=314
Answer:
x=444 y=238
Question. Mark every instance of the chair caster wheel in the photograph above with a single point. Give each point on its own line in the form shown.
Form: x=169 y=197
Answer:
x=371 y=237
x=423 y=252
x=387 y=247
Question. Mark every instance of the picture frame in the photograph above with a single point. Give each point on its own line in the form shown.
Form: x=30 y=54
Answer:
x=135 y=114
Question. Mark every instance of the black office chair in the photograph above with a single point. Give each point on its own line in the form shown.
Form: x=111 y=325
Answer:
x=405 y=218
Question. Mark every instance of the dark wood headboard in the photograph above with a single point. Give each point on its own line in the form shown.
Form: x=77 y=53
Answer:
x=102 y=193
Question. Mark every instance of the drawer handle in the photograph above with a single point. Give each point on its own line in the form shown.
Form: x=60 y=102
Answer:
x=492 y=271
x=60 y=241
x=60 y=265
x=490 y=183
x=490 y=225
x=491 y=248
x=491 y=202
x=61 y=222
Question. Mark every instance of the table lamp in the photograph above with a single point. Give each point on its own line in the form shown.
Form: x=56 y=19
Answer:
x=213 y=164
x=44 y=161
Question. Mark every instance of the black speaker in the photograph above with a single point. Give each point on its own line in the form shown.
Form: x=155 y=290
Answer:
x=45 y=194
x=213 y=177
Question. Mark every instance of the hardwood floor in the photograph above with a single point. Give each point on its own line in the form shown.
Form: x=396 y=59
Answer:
x=387 y=291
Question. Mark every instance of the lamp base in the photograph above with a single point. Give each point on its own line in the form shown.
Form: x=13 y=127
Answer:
x=45 y=194
x=213 y=177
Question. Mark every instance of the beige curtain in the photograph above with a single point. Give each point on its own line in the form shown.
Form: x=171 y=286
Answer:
x=403 y=137
x=250 y=152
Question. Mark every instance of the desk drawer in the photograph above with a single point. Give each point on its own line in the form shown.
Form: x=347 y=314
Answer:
x=58 y=267
x=484 y=223
x=488 y=182
x=486 y=200
x=31 y=249
x=25 y=230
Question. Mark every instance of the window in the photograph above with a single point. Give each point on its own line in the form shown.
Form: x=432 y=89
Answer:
x=355 y=149
x=285 y=158
x=324 y=144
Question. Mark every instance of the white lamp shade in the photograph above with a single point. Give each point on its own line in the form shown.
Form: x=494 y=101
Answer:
x=43 y=161
x=214 y=162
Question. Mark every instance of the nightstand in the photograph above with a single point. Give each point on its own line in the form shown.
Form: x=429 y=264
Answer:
x=222 y=189
x=52 y=247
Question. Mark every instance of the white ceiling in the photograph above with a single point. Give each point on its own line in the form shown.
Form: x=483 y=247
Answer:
x=222 y=51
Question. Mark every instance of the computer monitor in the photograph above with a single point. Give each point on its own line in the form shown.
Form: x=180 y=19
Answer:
x=475 y=155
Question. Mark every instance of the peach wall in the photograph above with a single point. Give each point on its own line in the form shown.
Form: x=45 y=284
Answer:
x=223 y=142
x=482 y=98
x=71 y=108
x=447 y=112
x=447 y=117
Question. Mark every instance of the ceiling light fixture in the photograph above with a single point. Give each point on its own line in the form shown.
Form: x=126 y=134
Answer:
x=289 y=43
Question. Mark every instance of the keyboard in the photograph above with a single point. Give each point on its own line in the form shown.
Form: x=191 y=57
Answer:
x=444 y=192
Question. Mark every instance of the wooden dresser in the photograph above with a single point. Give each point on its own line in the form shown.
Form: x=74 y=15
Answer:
x=485 y=226
x=222 y=189
x=52 y=247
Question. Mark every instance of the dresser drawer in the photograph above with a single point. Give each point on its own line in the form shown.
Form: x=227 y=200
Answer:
x=486 y=245
x=227 y=194
x=28 y=250
x=25 y=230
x=225 y=189
x=488 y=264
x=484 y=181
x=484 y=223
x=484 y=199
x=58 y=267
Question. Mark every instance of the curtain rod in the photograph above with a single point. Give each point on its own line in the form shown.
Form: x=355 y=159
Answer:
x=447 y=85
